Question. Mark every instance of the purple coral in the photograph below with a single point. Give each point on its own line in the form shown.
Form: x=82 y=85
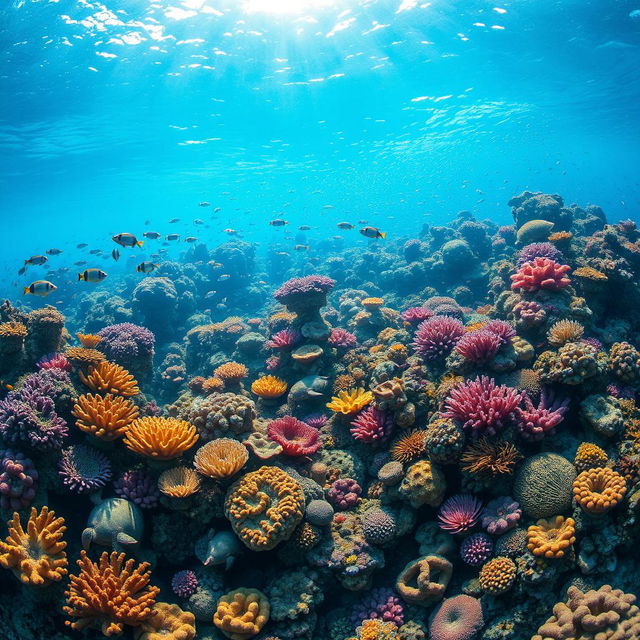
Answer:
x=54 y=361
x=476 y=549
x=501 y=328
x=139 y=487
x=415 y=315
x=18 y=480
x=500 y=515
x=316 y=420
x=371 y=425
x=306 y=291
x=342 y=339
x=83 y=469
x=344 y=493
x=184 y=583
x=127 y=344
x=284 y=339
x=529 y=313
x=478 y=346
x=379 y=604
x=534 y=423
x=539 y=250
x=436 y=337
x=459 y=513
x=457 y=618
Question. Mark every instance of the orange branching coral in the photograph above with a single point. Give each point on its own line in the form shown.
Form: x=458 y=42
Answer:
x=231 y=372
x=497 y=575
x=220 y=458
x=564 y=331
x=107 y=377
x=490 y=459
x=179 y=482
x=409 y=446
x=242 y=613
x=212 y=385
x=110 y=594
x=168 y=622
x=372 y=303
x=598 y=490
x=269 y=387
x=591 y=274
x=13 y=330
x=160 y=438
x=105 y=417
x=377 y=629
x=84 y=358
x=589 y=456
x=551 y=538
x=36 y=556
x=89 y=340
x=560 y=238
x=350 y=402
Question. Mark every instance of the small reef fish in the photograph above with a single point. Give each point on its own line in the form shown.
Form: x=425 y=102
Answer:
x=231 y=232
x=215 y=265
x=282 y=253
x=198 y=221
x=22 y=271
x=54 y=252
x=278 y=222
x=217 y=209
x=345 y=225
x=36 y=260
x=363 y=221
x=174 y=220
x=328 y=206
x=304 y=227
x=147 y=267
x=204 y=203
x=82 y=245
x=173 y=236
x=95 y=252
x=223 y=277
x=209 y=295
x=6 y=385
x=151 y=235
x=301 y=247
x=80 y=263
x=191 y=239
x=372 y=232
x=40 y=288
x=92 y=275
x=127 y=240
x=115 y=254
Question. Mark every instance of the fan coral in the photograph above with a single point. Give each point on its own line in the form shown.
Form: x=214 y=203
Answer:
x=242 y=613
x=295 y=437
x=590 y=455
x=500 y=515
x=539 y=250
x=476 y=549
x=139 y=487
x=498 y=575
x=285 y=339
x=535 y=422
x=231 y=372
x=269 y=387
x=344 y=493
x=409 y=446
x=167 y=622
x=107 y=377
x=160 y=438
x=415 y=315
x=540 y=273
x=109 y=594
x=220 y=458
x=83 y=469
x=564 y=331
x=350 y=402
x=179 y=482
x=184 y=583
x=551 y=538
x=379 y=604
x=479 y=346
x=54 y=361
x=36 y=556
x=490 y=459
x=599 y=489
x=457 y=618
x=106 y=417
x=436 y=337
x=371 y=425
x=481 y=406
x=18 y=480
x=459 y=513
x=264 y=507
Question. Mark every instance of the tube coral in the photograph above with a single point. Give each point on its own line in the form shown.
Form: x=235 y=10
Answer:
x=105 y=417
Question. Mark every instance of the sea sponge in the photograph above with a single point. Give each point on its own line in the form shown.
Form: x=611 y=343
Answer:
x=160 y=438
x=109 y=594
x=107 y=377
x=424 y=483
x=424 y=581
x=168 y=622
x=551 y=538
x=241 y=613
x=498 y=575
x=588 y=456
x=105 y=417
x=36 y=556
x=350 y=402
x=269 y=387
x=598 y=490
x=264 y=507
x=457 y=618
x=179 y=482
x=221 y=415
x=220 y=458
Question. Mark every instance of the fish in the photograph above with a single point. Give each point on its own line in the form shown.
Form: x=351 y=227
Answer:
x=278 y=222
x=231 y=232
x=174 y=220
x=372 y=232
x=147 y=267
x=92 y=275
x=173 y=236
x=36 y=260
x=6 y=385
x=304 y=227
x=54 y=252
x=362 y=221
x=204 y=203
x=215 y=265
x=209 y=295
x=217 y=209
x=345 y=225
x=151 y=235
x=80 y=263
x=191 y=239
x=328 y=206
x=198 y=221
x=40 y=288
x=95 y=252
x=282 y=253
x=82 y=245
x=115 y=254
x=22 y=271
x=127 y=240
x=301 y=247
x=223 y=277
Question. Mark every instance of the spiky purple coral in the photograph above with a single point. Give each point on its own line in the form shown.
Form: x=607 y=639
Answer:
x=127 y=344
x=500 y=515
x=342 y=339
x=459 y=513
x=284 y=339
x=476 y=549
x=18 y=480
x=415 y=315
x=501 y=328
x=344 y=493
x=481 y=406
x=139 y=487
x=534 y=423
x=54 y=361
x=379 y=604
x=478 y=346
x=436 y=337
x=539 y=250
x=184 y=583
x=298 y=291
x=52 y=383
x=316 y=420
x=371 y=425
x=83 y=469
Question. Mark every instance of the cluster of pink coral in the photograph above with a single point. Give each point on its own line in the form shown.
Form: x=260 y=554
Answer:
x=416 y=315
x=342 y=339
x=436 y=337
x=284 y=339
x=540 y=273
x=536 y=422
x=371 y=425
x=295 y=437
x=479 y=346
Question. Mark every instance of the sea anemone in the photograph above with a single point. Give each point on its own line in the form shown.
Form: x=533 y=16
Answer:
x=179 y=482
x=371 y=425
x=436 y=337
x=284 y=339
x=479 y=346
x=459 y=513
x=295 y=437
x=220 y=458
x=83 y=469
x=410 y=445
x=342 y=339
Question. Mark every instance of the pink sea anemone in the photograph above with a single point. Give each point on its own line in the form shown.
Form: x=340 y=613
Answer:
x=540 y=273
x=342 y=339
x=478 y=346
x=459 y=513
x=284 y=339
x=295 y=437
x=371 y=425
x=415 y=315
x=436 y=337
x=534 y=423
x=54 y=361
x=501 y=328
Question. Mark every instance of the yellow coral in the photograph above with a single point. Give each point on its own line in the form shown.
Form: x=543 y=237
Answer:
x=89 y=340
x=497 y=575
x=377 y=629
x=220 y=458
x=179 y=482
x=241 y=613
x=269 y=387
x=599 y=489
x=212 y=385
x=167 y=622
x=551 y=538
x=589 y=273
x=564 y=331
x=84 y=358
x=350 y=402
x=160 y=438
x=36 y=556
x=231 y=372
x=110 y=594
x=560 y=238
x=590 y=455
x=372 y=303
x=107 y=377
x=13 y=330
x=105 y=417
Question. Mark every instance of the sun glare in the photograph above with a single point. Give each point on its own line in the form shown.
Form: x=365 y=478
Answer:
x=285 y=6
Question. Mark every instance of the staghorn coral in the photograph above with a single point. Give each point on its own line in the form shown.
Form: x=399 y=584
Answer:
x=105 y=417
x=179 y=482
x=107 y=377
x=36 y=556
x=220 y=458
x=242 y=613
x=160 y=438
x=167 y=622
x=109 y=594
x=551 y=538
x=498 y=575
x=350 y=402
x=599 y=489
x=269 y=387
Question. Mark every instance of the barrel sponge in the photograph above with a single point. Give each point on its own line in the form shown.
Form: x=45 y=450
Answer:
x=543 y=485
x=264 y=507
x=457 y=618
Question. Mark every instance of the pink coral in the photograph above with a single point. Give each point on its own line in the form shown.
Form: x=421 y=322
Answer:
x=437 y=336
x=457 y=618
x=284 y=339
x=371 y=425
x=415 y=315
x=540 y=273
x=478 y=346
x=54 y=361
x=536 y=422
x=342 y=339
x=529 y=313
x=295 y=437
x=344 y=493
x=500 y=328
x=459 y=513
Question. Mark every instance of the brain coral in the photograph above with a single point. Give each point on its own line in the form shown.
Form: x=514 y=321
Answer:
x=264 y=507
x=242 y=613
x=543 y=485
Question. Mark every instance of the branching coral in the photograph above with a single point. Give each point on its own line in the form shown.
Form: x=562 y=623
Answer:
x=107 y=377
x=350 y=402
x=160 y=438
x=220 y=458
x=106 y=417
x=269 y=387
x=296 y=438
x=242 y=613
x=598 y=490
x=541 y=273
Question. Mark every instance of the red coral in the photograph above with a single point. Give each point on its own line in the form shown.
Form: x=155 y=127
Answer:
x=540 y=273
x=295 y=437
x=371 y=425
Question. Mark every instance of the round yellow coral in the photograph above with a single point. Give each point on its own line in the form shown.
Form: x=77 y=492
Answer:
x=220 y=458
x=269 y=387
x=590 y=455
x=242 y=613
x=498 y=575
x=167 y=622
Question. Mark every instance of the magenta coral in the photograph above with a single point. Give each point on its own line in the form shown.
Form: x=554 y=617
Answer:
x=478 y=346
x=457 y=618
x=415 y=315
x=540 y=273
x=342 y=339
x=379 y=604
x=500 y=515
x=371 y=425
x=344 y=493
x=536 y=422
x=184 y=583
x=284 y=339
x=296 y=289
x=296 y=438
x=18 y=480
x=476 y=549
x=83 y=469
x=501 y=328
x=459 y=513
x=54 y=361
x=437 y=336
x=481 y=406
x=316 y=420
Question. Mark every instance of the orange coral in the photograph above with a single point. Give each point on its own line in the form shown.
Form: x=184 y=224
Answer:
x=84 y=358
x=560 y=238
x=167 y=622
x=160 y=438
x=598 y=490
x=409 y=446
x=498 y=575
x=110 y=594
x=377 y=629
x=105 y=417
x=551 y=538
x=220 y=458
x=36 y=556
x=590 y=455
x=179 y=482
x=350 y=402
x=564 y=331
x=242 y=613
x=490 y=459
x=269 y=387
x=107 y=377
x=89 y=340
x=372 y=303
x=231 y=372
x=343 y=382
x=591 y=274
x=212 y=385
x=13 y=330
